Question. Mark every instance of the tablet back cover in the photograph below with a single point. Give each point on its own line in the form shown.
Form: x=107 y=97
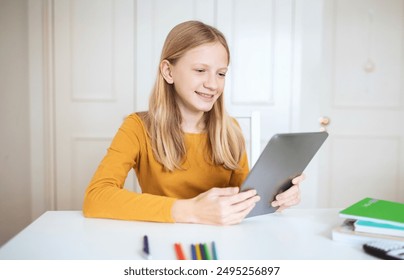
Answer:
x=284 y=158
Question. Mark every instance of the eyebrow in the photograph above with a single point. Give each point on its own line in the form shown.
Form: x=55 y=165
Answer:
x=208 y=66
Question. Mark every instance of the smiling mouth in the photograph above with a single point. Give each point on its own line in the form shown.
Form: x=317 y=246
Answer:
x=205 y=95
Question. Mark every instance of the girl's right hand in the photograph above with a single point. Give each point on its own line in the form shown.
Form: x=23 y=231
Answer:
x=218 y=206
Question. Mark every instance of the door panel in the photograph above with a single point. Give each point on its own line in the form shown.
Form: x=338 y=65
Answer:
x=368 y=45
x=370 y=167
x=93 y=90
x=259 y=33
x=361 y=86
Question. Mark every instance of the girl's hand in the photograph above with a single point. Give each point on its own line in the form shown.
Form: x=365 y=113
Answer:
x=290 y=197
x=219 y=206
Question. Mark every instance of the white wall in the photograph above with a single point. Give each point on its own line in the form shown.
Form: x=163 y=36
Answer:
x=15 y=205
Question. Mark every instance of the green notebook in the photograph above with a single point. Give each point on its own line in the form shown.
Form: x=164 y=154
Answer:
x=376 y=210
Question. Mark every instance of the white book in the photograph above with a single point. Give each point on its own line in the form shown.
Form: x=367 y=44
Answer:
x=346 y=233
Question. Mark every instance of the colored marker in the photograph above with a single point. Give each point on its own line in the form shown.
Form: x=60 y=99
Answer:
x=214 y=251
x=146 y=248
x=193 y=252
x=202 y=251
x=206 y=250
x=198 y=252
x=179 y=252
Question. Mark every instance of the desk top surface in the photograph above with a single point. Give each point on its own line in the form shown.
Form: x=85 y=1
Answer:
x=294 y=234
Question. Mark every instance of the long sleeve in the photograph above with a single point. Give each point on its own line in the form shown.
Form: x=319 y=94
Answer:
x=105 y=196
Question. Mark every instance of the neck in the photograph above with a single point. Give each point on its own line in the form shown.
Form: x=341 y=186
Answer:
x=193 y=123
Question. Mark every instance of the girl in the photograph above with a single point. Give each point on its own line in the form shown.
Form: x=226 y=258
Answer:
x=188 y=154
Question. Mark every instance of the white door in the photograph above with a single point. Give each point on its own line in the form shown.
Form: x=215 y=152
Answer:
x=106 y=55
x=259 y=33
x=352 y=59
x=93 y=88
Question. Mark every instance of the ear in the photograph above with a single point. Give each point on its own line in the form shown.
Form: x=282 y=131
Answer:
x=165 y=70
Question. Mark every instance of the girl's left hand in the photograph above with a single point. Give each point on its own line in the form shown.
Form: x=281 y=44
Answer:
x=290 y=197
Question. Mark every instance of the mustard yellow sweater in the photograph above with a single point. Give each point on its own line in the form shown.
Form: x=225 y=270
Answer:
x=105 y=196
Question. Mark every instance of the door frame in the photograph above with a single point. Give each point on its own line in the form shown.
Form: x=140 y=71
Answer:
x=42 y=141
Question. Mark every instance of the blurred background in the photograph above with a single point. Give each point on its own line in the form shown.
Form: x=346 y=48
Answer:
x=70 y=71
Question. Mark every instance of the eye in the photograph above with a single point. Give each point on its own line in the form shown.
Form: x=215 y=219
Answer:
x=200 y=70
x=222 y=74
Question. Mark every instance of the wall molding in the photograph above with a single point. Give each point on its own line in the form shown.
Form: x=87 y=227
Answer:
x=40 y=13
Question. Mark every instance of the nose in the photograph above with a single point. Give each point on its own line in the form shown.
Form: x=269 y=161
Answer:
x=211 y=82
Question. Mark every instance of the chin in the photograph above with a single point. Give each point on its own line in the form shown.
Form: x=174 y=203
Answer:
x=206 y=109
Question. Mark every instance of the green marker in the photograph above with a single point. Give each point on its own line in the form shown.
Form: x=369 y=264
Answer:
x=205 y=248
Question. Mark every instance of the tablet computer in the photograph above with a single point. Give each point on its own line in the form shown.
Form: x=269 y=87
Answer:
x=284 y=158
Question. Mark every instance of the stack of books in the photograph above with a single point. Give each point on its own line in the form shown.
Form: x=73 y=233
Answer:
x=371 y=219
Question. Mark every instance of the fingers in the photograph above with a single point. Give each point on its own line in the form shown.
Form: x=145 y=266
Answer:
x=291 y=196
x=232 y=198
x=246 y=203
x=242 y=196
x=224 y=206
x=288 y=198
x=238 y=217
x=228 y=206
x=239 y=212
x=298 y=179
x=236 y=207
x=230 y=191
x=290 y=193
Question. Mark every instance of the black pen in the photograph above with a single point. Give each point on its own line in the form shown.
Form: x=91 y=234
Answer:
x=146 y=249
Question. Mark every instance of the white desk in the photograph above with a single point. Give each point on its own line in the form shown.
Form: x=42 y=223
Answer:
x=294 y=234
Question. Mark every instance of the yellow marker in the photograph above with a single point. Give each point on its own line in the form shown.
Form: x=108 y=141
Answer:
x=198 y=252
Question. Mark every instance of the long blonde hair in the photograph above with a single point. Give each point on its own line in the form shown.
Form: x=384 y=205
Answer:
x=163 y=120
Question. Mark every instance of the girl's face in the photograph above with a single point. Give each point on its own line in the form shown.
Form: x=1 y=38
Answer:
x=198 y=78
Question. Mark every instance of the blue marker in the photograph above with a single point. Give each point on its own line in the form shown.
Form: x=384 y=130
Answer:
x=193 y=252
x=146 y=249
